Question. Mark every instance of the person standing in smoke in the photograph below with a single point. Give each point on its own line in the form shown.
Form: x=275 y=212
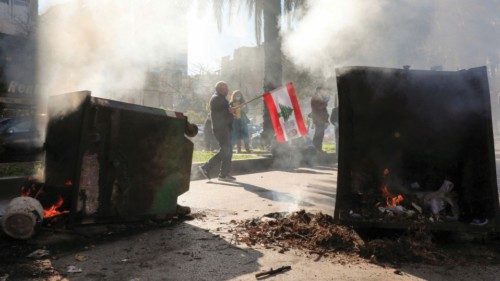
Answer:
x=222 y=122
x=240 y=123
x=319 y=115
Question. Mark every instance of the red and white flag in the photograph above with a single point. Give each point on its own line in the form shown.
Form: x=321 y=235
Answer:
x=284 y=112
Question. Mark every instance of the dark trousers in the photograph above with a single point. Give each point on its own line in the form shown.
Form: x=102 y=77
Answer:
x=223 y=157
x=319 y=134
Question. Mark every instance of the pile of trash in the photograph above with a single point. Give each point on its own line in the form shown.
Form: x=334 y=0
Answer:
x=318 y=234
x=300 y=230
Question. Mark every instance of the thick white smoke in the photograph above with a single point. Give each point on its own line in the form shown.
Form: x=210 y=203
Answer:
x=107 y=46
x=452 y=33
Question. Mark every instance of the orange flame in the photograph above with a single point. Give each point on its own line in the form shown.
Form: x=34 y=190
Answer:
x=52 y=210
x=391 y=200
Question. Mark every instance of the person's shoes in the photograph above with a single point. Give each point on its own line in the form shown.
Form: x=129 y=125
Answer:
x=204 y=172
x=479 y=222
x=227 y=178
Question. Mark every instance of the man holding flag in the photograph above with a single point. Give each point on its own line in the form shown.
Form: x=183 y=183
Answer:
x=284 y=112
x=222 y=123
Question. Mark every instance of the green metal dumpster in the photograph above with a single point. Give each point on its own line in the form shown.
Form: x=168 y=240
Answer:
x=109 y=159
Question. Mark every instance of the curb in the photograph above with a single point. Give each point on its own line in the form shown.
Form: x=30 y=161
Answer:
x=250 y=166
x=238 y=167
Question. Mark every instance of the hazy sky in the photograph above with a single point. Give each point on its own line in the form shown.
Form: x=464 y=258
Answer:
x=206 y=44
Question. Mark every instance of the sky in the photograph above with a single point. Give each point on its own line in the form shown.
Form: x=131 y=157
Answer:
x=206 y=44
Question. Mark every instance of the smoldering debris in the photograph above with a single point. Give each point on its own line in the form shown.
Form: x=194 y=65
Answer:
x=313 y=232
x=318 y=234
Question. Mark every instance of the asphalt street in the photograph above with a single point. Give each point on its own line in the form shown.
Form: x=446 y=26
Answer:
x=205 y=249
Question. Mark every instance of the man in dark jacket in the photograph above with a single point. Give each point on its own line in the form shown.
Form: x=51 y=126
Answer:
x=222 y=122
x=319 y=115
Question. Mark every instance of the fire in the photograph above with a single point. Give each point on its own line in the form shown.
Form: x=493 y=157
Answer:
x=52 y=210
x=391 y=200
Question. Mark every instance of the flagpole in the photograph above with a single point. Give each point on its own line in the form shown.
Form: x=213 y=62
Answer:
x=247 y=102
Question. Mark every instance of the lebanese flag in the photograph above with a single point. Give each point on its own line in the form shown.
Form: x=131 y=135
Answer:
x=284 y=111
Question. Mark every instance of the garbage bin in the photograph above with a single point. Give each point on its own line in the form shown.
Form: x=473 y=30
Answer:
x=411 y=140
x=110 y=159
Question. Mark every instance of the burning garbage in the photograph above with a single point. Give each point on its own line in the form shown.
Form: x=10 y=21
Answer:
x=436 y=203
x=95 y=170
x=415 y=146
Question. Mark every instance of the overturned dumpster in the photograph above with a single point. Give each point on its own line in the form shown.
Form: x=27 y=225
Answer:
x=415 y=147
x=112 y=160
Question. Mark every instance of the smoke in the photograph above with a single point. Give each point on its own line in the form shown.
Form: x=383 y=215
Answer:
x=453 y=33
x=108 y=46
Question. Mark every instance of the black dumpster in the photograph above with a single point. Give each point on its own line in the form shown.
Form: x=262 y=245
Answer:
x=109 y=159
x=415 y=146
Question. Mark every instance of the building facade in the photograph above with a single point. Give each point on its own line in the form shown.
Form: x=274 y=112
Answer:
x=17 y=57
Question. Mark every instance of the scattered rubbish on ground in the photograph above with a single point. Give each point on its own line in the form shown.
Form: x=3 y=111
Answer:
x=80 y=257
x=273 y=271
x=38 y=254
x=318 y=234
x=398 y=272
x=73 y=269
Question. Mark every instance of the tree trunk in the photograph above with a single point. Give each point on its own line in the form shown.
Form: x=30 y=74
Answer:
x=273 y=70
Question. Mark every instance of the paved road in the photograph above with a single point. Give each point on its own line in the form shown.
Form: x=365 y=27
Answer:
x=204 y=249
x=274 y=191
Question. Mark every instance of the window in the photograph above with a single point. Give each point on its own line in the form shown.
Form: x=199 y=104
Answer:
x=5 y=1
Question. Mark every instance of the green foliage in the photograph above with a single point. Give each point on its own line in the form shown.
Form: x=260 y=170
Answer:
x=329 y=147
x=19 y=169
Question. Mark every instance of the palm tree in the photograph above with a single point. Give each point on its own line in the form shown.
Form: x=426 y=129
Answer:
x=266 y=14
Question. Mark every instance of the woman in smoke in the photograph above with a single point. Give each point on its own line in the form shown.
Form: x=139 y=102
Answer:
x=240 y=122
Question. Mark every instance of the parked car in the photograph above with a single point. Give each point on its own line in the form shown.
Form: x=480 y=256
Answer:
x=20 y=139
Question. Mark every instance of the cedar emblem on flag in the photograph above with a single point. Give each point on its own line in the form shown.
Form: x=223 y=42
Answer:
x=284 y=112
